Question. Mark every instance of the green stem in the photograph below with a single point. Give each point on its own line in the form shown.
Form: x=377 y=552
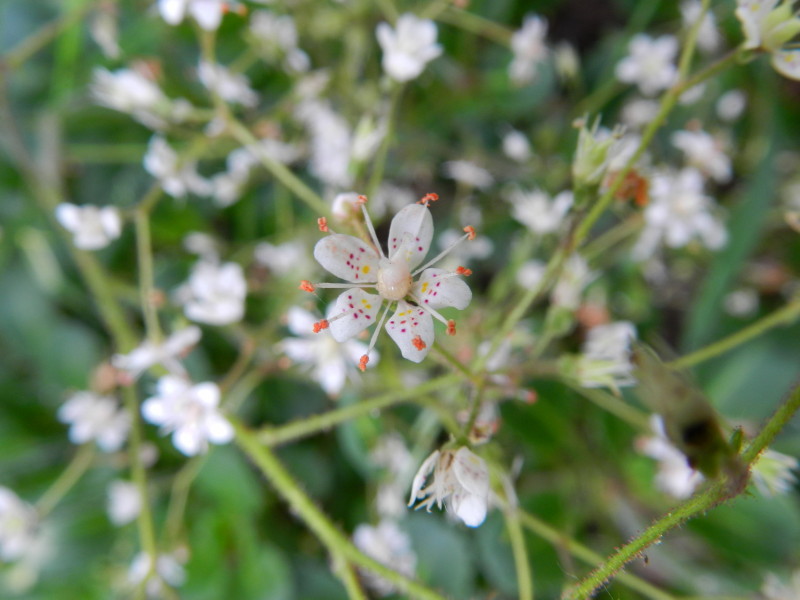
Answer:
x=476 y=24
x=144 y=257
x=274 y=436
x=301 y=505
x=718 y=492
x=179 y=497
x=516 y=539
x=784 y=316
x=376 y=176
x=280 y=172
x=614 y=405
x=79 y=464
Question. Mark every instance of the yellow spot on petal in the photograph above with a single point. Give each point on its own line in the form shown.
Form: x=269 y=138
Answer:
x=424 y=287
x=365 y=269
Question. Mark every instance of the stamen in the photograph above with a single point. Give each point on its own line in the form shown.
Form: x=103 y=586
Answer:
x=451 y=327
x=320 y=325
x=362 y=201
x=418 y=343
x=428 y=198
x=433 y=312
x=470 y=232
x=362 y=364
x=322 y=223
x=345 y=285
x=463 y=271
x=306 y=286
x=375 y=333
x=441 y=254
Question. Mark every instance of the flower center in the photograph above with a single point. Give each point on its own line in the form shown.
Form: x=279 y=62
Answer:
x=394 y=279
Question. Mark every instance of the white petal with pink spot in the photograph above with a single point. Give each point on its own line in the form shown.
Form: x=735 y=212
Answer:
x=354 y=311
x=411 y=328
x=347 y=257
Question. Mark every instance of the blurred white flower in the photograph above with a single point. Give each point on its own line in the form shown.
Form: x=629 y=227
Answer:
x=132 y=92
x=605 y=359
x=708 y=38
x=575 y=276
x=639 y=112
x=460 y=481
x=345 y=206
x=124 y=502
x=390 y=546
x=530 y=274
x=207 y=13
x=214 y=294
x=772 y=473
x=167 y=353
x=770 y=25
x=468 y=173
x=104 y=30
x=18 y=524
x=529 y=48
x=389 y=198
x=774 y=589
x=177 y=177
x=331 y=142
x=516 y=146
x=678 y=213
x=705 y=153
x=231 y=87
x=288 y=258
x=328 y=361
x=741 y=303
x=649 y=63
x=93 y=227
x=674 y=477
x=408 y=47
x=731 y=105
x=189 y=412
x=462 y=254
x=168 y=569
x=93 y=417
x=277 y=37
x=537 y=211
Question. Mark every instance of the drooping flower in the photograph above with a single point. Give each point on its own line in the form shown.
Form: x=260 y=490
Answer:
x=18 y=522
x=674 y=477
x=769 y=26
x=390 y=546
x=177 y=177
x=605 y=356
x=215 y=293
x=167 y=353
x=329 y=360
x=93 y=417
x=93 y=227
x=189 y=412
x=366 y=265
x=529 y=48
x=650 y=63
x=460 y=481
x=773 y=472
x=408 y=47
x=704 y=152
x=537 y=211
x=124 y=502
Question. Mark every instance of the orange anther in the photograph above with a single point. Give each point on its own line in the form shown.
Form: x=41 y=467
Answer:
x=362 y=199
x=322 y=223
x=320 y=325
x=470 y=231
x=418 y=343
x=306 y=286
x=362 y=364
x=464 y=271
x=428 y=198
x=451 y=327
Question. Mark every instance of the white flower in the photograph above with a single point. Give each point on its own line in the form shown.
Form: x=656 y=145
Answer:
x=468 y=173
x=277 y=36
x=288 y=258
x=168 y=569
x=95 y=417
x=731 y=105
x=215 y=293
x=331 y=142
x=366 y=266
x=124 y=502
x=167 y=353
x=104 y=31
x=769 y=26
x=575 y=276
x=705 y=153
x=530 y=274
x=529 y=48
x=679 y=212
x=516 y=146
x=131 y=92
x=605 y=356
x=93 y=227
x=328 y=359
x=787 y=63
x=674 y=477
x=461 y=481
x=774 y=589
x=408 y=47
x=189 y=412
x=537 y=211
x=231 y=87
x=639 y=112
x=741 y=303
x=708 y=38
x=177 y=177
x=390 y=546
x=18 y=523
x=207 y=13
x=462 y=254
x=649 y=63
x=772 y=473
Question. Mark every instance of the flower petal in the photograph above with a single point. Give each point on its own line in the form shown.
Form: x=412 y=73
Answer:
x=348 y=258
x=359 y=309
x=471 y=472
x=411 y=328
x=435 y=289
x=469 y=508
x=410 y=234
x=422 y=474
x=787 y=63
